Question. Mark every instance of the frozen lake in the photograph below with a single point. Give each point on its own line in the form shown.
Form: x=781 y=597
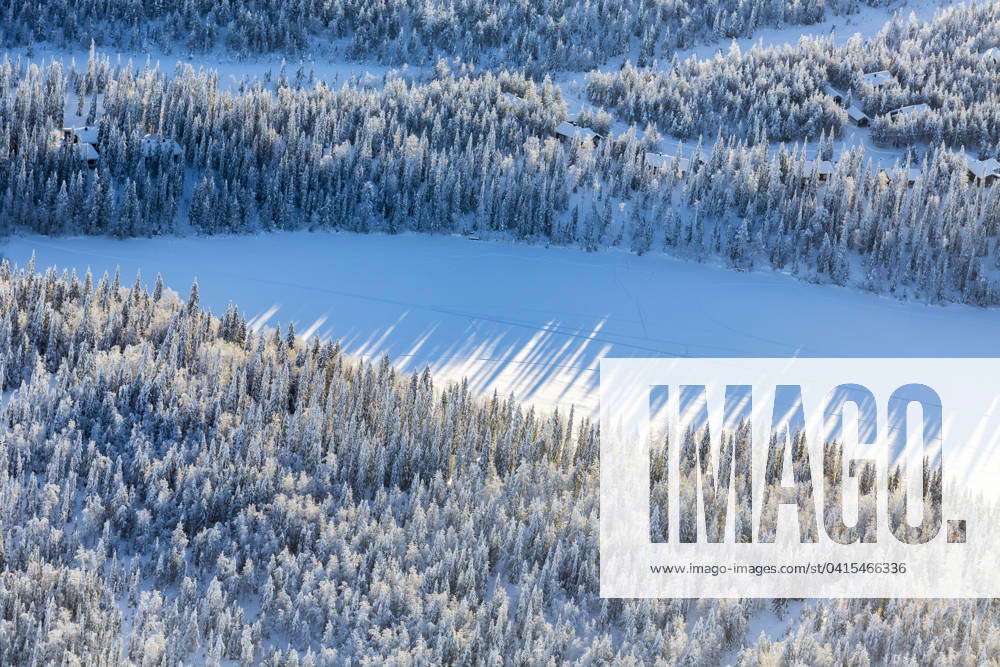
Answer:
x=533 y=321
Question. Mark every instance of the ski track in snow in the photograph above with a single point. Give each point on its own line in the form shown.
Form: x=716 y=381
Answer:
x=520 y=319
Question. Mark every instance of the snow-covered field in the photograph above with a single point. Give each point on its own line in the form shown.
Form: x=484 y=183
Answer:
x=529 y=320
x=330 y=67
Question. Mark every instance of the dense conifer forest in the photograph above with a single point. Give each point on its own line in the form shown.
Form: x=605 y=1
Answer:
x=537 y=37
x=784 y=93
x=454 y=154
x=180 y=487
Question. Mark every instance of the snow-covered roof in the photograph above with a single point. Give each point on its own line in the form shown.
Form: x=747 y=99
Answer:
x=153 y=144
x=880 y=78
x=664 y=161
x=982 y=169
x=911 y=174
x=855 y=114
x=910 y=110
x=821 y=167
x=571 y=131
x=85 y=152
x=514 y=99
x=86 y=134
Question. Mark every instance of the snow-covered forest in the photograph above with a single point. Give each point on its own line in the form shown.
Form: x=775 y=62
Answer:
x=477 y=155
x=536 y=37
x=949 y=63
x=179 y=487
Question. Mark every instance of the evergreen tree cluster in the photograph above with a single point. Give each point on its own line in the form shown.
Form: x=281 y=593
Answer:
x=454 y=154
x=182 y=487
x=782 y=92
x=923 y=231
x=882 y=631
x=407 y=156
x=537 y=37
x=945 y=64
x=775 y=93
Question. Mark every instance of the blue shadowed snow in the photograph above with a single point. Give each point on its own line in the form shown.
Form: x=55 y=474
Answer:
x=529 y=320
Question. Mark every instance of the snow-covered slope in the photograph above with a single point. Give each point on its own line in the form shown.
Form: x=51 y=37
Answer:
x=529 y=320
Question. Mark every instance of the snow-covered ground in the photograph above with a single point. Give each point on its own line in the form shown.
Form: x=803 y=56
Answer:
x=513 y=318
x=330 y=67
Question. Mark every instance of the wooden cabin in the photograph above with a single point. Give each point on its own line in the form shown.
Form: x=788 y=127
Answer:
x=82 y=141
x=878 y=79
x=153 y=145
x=911 y=110
x=887 y=176
x=569 y=132
x=857 y=116
x=664 y=161
x=514 y=100
x=821 y=169
x=984 y=172
x=86 y=153
x=81 y=135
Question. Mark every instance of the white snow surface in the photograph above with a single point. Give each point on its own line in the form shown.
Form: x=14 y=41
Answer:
x=527 y=320
x=330 y=67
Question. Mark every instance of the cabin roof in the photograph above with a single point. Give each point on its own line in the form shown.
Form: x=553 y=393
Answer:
x=880 y=78
x=984 y=168
x=571 y=131
x=911 y=174
x=152 y=143
x=85 y=151
x=911 y=109
x=86 y=134
x=514 y=99
x=664 y=161
x=855 y=114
